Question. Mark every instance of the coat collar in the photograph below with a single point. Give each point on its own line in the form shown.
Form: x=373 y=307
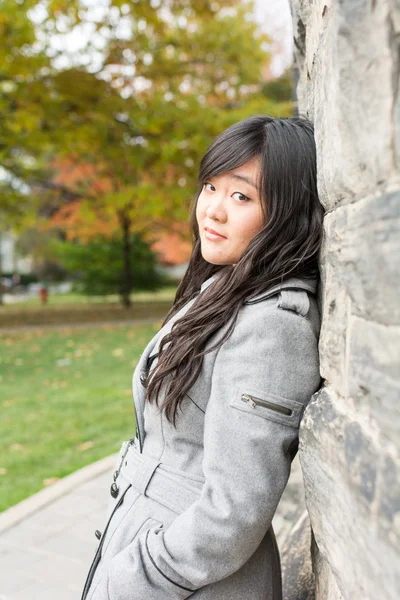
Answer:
x=310 y=285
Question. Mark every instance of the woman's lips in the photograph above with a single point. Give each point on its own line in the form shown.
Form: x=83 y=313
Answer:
x=215 y=237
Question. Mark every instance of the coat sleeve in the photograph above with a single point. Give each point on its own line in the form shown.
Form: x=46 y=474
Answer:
x=248 y=448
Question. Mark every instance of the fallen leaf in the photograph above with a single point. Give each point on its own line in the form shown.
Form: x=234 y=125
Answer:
x=50 y=480
x=85 y=446
x=3 y=470
x=16 y=447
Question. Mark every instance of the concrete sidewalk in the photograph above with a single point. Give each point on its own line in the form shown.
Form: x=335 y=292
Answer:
x=46 y=552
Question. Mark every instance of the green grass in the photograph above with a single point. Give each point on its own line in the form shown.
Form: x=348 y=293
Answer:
x=74 y=299
x=65 y=401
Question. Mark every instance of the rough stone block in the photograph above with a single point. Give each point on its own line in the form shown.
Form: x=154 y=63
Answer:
x=342 y=50
x=351 y=489
x=373 y=375
x=325 y=583
x=297 y=577
x=357 y=280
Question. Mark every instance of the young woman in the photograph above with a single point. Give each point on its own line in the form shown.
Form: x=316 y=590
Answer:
x=220 y=390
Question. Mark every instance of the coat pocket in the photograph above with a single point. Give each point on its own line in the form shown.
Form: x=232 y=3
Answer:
x=150 y=523
x=129 y=523
x=268 y=406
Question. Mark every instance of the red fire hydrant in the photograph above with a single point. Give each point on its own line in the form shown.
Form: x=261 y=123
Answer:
x=43 y=293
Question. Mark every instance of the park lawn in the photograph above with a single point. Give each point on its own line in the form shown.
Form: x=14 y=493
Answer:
x=75 y=299
x=65 y=401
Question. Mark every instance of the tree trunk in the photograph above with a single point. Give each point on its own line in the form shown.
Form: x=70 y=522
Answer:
x=126 y=280
x=1 y=285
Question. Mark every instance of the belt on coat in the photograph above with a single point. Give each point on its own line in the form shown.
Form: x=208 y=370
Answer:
x=156 y=480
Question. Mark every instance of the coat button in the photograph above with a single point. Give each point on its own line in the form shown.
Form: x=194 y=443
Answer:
x=97 y=533
x=114 y=490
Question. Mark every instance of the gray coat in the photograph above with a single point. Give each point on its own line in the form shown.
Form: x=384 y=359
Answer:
x=194 y=504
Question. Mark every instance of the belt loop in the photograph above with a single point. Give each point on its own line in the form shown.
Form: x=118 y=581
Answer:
x=144 y=474
x=149 y=477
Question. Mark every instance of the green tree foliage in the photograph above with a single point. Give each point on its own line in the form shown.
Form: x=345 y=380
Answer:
x=98 y=265
x=132 y=110
x=20 y=113
x=23 y=104
x=280 y=89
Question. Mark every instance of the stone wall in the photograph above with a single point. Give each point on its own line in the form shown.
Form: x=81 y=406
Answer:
x=347 y=53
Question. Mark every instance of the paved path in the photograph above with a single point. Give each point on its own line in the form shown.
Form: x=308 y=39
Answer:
x=46 y=554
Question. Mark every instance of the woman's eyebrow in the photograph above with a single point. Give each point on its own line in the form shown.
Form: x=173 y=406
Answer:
x=244 y=178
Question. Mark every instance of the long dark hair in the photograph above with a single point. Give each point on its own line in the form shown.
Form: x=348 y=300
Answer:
x=287 y=245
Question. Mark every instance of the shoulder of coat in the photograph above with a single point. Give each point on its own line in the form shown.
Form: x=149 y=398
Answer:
x=294 y=295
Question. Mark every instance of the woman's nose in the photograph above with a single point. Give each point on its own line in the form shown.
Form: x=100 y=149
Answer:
x=216 y=209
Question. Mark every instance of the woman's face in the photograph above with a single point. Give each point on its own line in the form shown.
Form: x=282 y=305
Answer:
x=229 y=213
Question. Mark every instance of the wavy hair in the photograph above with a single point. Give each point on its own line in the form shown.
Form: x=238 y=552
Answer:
x=287 y=245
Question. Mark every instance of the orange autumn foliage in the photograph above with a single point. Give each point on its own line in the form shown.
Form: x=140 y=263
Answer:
x=172 y=249
x=170 y=241
x=80 y=176
x=78 y=225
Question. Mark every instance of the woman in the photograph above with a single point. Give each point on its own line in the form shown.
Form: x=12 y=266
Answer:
x=220 y=390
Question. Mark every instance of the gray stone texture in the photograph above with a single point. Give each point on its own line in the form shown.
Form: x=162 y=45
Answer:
x=348 y=53
x=298 y=581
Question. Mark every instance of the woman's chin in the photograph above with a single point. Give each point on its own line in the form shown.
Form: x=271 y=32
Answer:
x=214 y=259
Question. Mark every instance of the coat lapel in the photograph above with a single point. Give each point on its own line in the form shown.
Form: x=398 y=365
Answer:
x=139 y=391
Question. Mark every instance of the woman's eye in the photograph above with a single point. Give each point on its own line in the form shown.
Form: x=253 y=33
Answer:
x=208 y=186
x=241 y=197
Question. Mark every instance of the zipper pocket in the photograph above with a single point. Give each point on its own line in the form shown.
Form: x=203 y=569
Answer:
x=253 y=402
x=97 y=556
